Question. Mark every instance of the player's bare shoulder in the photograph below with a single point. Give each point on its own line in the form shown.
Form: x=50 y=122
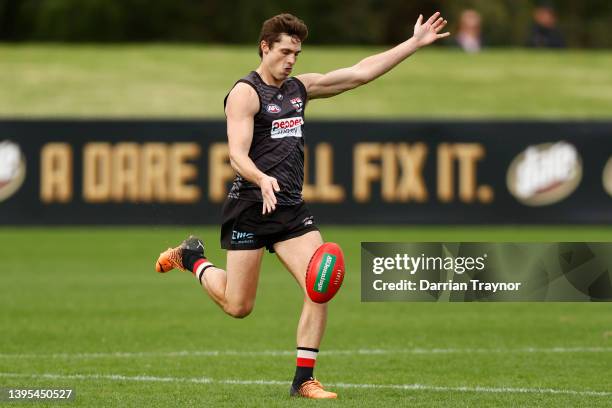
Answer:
x=309 y=81
x=242 y=100
x=332 y=83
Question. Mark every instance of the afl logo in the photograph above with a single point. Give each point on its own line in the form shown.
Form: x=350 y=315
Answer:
x=272 y=108
x=12 y=169
x=545 y=174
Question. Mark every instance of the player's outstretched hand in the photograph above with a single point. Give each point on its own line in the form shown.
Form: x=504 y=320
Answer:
x=268 y=186
x=428 y=32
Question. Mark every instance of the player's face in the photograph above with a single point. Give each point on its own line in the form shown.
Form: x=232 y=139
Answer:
x=281 y=56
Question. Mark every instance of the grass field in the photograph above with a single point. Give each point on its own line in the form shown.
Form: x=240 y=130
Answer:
x=191 y=81
x=83 y=308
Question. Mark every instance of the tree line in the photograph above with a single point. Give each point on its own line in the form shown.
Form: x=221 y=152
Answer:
x=584 y=23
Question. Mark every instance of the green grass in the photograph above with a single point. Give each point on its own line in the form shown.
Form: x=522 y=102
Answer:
x=65 y=291
x=93 y=290
x=191 y=81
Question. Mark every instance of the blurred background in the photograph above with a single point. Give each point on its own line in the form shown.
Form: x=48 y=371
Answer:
x=517 y=59
x=581 y=24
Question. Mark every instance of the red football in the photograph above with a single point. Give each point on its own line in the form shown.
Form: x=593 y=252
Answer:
x=325 y=273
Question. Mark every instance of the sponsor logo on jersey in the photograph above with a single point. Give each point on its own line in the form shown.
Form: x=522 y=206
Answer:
x=12 y=169
x=273 y=108
x=297 y=104
x=545 y=174
x=288 y=127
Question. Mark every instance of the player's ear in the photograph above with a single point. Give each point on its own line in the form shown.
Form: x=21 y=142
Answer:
x=265 y=48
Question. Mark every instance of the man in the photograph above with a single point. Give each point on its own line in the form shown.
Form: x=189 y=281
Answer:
x=544 y=31
x=265 y=121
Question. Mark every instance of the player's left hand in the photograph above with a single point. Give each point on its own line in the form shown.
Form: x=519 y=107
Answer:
x=428 y=32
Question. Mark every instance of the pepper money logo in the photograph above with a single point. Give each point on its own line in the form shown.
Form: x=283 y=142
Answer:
x=545 y=174
x=287 y=127
x=12 y=169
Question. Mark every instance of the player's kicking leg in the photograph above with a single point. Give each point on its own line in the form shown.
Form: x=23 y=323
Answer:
x=234 y=291
x=295 y=254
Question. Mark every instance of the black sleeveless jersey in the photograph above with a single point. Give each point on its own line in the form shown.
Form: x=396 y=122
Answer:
x=277 y=148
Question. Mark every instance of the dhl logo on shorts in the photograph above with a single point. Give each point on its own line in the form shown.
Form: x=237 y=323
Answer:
x=289 y=127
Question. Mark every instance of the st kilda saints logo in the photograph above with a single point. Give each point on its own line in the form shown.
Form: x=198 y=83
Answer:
x=12 y=169
x=297 y=104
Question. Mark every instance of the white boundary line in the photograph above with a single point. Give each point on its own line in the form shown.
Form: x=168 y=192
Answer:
x=241 y=353
x=206 y=380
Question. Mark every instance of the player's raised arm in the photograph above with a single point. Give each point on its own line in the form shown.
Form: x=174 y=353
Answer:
x=242 y=106
x=370 y=68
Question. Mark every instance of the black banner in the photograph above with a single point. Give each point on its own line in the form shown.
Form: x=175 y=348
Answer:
x=434 y=172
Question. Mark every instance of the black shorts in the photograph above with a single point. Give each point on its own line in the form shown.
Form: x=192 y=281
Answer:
x=245 y=227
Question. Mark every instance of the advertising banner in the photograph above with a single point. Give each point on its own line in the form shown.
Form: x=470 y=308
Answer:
x=402 y=172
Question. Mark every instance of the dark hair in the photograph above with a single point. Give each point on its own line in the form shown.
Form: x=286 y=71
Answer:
x=285 y=23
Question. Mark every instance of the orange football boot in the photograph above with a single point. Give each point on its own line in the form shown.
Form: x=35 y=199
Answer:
x=312 y=389
x=173 y=257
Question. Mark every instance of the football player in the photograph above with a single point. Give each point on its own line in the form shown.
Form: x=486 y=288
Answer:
x=264 y=208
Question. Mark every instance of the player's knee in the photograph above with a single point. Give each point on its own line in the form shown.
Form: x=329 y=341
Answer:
x=316 y=307
x=239 y=311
